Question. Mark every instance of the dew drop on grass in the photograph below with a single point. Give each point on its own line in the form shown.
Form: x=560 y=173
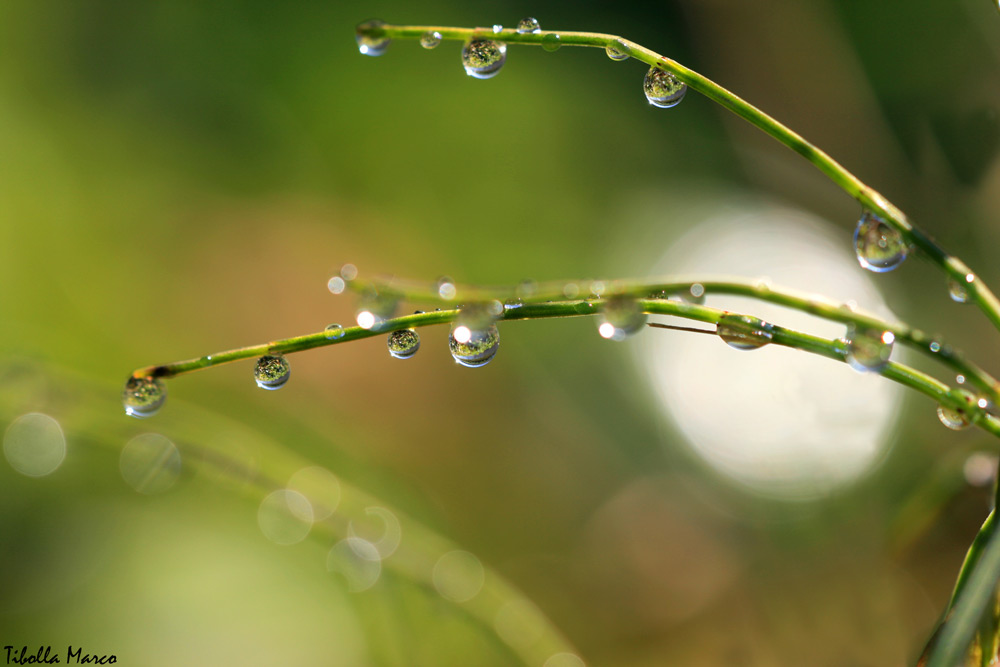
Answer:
x=497 y=28
x=868 y=350
x=474 y=347
x=958 y=291
x=952 y=418
x=367 y=44
x=662 y=88
x=430 y=39
x=879 y=247
x=483 y=58
x=334 y=331
x=403 y=343
x=272 y=372
x=527 y=26
x=744 y=332
x=143 y=397
x=617 y=50
x=620 y=318
x=551 y=42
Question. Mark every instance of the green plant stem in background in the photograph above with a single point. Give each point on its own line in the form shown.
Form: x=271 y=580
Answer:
x=832 y=349
x=871 y=199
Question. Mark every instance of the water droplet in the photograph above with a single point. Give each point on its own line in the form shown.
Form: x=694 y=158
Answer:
x=528 y=26
x=617 y=50
x=497 y=28
x=150 y=463
x=272 y=372
x=348 y=272
x=358 y=561
x=34 y=444
x=474 y=348
x=952 y=418
x=621 y=317
x=336 y=285
x=483 y=58
x=868 y=350
x=334 y=331
x=935 y=346
x=285 y=517
x=143 y=397
x=371 y=45
x=403 y=343
x=744 y=332
x=458 y=576
x=957 y=289
x=512 y=303
x=662 y=88
x=879 y=247
x=446 y=288
x=430 y=39
x=551 y=42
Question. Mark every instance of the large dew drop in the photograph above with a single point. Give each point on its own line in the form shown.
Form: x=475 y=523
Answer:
x=957 y=289
x=474 y=348
x=868 y=350
x=370 y=45
x=879 y=247
x=143 y=397
x=483 y=58
x=528 y=26
x=662 y=88
x=744 y=332
x=272 y=372
x=620 y=318
x=403 y=343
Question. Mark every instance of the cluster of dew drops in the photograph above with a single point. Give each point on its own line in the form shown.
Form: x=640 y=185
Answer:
x=475 y=339
x=482 y=58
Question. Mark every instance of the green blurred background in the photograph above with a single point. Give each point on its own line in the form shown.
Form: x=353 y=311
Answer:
x=182 y=178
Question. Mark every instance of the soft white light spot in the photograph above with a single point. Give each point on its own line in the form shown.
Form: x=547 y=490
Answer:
x=320 y=487
x=983 y=403
x=606 y=330
x=970 y=277
x=458 y=576
x=357 y=560
x=348 y=271
x=385 y=534
x=888 y=338
x=285 y=517
x=447 y=290
x=462 y=334
x=782 y=422
x=980 y=469
x=150 y=463
x=366 y=319
x=34 y=444
x=336 y=284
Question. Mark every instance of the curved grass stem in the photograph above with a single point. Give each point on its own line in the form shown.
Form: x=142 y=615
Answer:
x=867 y=196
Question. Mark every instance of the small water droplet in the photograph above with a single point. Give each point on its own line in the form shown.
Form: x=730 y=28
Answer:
x=370 y=45
x=348 y=272
x=336 y=285
x=512 y=303
x=483 y=58
x=474 y=348
x=430 y=39
x=952 y=418
x=551 y=42
x=272 y=372
x=617 y=50
x=662 y=88
x=879 y=247
x=403 y=343
x=446 y=288
x=143 y=397
x=497 y=28
x=935 y=347
x=527 y=26
x=744 y=332
x=957 y=290
x=334 y=331
x=620 y=318
x=868 y=350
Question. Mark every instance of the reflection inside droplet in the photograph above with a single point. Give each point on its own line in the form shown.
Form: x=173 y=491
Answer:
x=458 y=576
x=357 y=561
x=34 y=444
x=150 y=463
x=285 y=516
